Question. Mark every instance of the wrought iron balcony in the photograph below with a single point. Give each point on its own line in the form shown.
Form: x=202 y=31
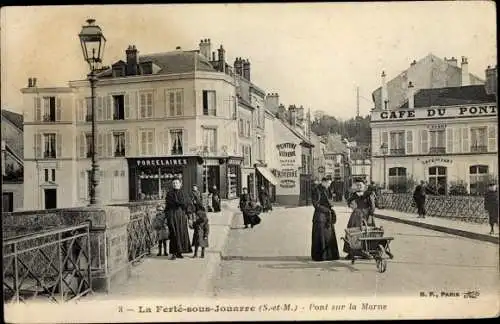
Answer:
x=120 y=153
x=49 y=118
x=479 y=149
x=399 y=151
x=49 y=154
x=437 y=150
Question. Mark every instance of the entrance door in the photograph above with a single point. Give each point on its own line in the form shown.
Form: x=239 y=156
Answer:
x=50 y=198
x=7 y=201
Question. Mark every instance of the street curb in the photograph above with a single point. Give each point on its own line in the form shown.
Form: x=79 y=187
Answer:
x=453 y=231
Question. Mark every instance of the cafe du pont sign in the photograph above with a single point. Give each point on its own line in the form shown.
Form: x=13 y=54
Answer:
x=159 y=161
x=435 y=112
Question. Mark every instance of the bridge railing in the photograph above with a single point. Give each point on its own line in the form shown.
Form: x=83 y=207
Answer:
x=54 y=265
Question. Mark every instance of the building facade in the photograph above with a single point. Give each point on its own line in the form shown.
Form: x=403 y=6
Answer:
x=158 y=116
x=360 y=157
x=445 y=136
x=12 y=161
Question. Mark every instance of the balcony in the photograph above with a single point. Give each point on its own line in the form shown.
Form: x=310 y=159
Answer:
x=88 y=118
x=437 y=150
x=49 y=118
x=120 y=153
x=118 y=117
x=479 y=149
x=398 y=151
x=49 y=154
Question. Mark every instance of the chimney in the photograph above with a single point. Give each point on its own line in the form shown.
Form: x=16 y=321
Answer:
x=451 y=61
x=246 y=69
x=222 y=59
x=205 y=48
x=465 y=72
x=238 y=66
x=272 y=102
x=411 y=96
x=132 y=61
x=413 y=63
x=34 y=82
x=292 y=115
x=30 y=82
x=491 y=80
x=384 y=97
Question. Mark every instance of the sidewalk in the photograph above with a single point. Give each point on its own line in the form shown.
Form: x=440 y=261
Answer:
x=455 y=227
x=159 y=277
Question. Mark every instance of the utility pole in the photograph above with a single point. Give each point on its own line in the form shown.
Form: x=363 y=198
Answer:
x=357 y=102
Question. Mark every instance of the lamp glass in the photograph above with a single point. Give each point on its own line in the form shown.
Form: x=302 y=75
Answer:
x=93 y=43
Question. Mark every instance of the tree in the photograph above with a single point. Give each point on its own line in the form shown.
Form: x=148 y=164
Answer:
x=357 y=129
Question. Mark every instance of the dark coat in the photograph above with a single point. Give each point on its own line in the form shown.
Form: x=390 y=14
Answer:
x=160 y=226
x=215 y=200
x=365 y=206
x=491 y=205
x=419 y=194
x=244 y=201
x=324 y=241
x=176 y=208
x=264 y=200
x=201 y=229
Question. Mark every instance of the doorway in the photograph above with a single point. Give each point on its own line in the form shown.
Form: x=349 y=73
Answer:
x=50 y=198
x=7 y=201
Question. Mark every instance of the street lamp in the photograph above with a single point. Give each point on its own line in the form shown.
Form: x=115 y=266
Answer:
x=93 y=42
x=384 y=148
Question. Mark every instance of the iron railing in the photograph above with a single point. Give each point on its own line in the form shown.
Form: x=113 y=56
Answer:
x=141 y=236
x=437 y=150
x=479 y=148
x=52 y=265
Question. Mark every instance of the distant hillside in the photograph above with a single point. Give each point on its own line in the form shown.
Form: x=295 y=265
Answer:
x=354 y=129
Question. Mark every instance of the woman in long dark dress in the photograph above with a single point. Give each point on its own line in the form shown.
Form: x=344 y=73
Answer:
x=244 y=202
x=176 y=207
x=264 y=199
x=215 y=199
x=324 y=241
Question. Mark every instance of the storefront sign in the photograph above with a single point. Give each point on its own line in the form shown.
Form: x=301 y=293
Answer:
x=234 y=162
x=161 y=162
x=288 y=174
x=437 y=160
x=426 y=113
x=436 y=127
x=287 y=183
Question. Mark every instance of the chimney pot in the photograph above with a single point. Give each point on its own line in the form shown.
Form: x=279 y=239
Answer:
x=34 y=82
x=30 y=84
x=178 y=48
x=410 y=85
x=383 y=74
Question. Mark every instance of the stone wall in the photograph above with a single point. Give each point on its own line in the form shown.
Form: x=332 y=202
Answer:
x=463 y=208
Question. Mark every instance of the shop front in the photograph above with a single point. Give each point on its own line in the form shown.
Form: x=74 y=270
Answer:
x=266 y=179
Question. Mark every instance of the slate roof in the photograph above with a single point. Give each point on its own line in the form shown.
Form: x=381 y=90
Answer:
x=14 y=118
x=474 y=94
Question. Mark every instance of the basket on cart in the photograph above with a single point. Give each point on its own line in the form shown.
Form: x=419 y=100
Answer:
x=369 y=242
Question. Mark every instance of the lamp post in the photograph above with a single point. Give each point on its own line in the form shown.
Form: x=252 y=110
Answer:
x=384 y=148
x=93 y=42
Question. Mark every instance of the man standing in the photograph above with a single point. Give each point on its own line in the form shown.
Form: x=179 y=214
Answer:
x=419 y=198
x=491 y=205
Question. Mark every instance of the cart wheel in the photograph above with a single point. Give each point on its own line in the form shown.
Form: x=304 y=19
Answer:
x=381 y=265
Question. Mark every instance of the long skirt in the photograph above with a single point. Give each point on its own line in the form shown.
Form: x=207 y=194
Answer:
x=324 y=241
x=493 y=217
x=179 y=235
x=421 y=207
x=355 y=220
x=216 y=204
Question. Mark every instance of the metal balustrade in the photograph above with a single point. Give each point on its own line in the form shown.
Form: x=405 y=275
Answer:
x=54 y=265
x=141 y=236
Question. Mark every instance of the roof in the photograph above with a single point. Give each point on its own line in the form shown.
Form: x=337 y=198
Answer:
x=304 y=139
x=451 y=96
x=14 y=118
x=175 y=62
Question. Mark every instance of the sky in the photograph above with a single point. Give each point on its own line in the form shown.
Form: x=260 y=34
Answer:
x=312 y=54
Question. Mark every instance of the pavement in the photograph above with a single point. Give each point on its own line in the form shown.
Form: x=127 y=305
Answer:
x=159 y=277
x=455 y=227
x=273 y=260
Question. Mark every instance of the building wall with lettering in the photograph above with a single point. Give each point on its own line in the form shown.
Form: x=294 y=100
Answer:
x=456 y=137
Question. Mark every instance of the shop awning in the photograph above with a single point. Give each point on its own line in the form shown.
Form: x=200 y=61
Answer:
x=268 y=175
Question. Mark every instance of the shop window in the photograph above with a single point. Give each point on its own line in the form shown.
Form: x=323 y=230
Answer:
x=397 y=179
x=478 y=175
x=209 y=104
x=438 y=180
x=176 y=142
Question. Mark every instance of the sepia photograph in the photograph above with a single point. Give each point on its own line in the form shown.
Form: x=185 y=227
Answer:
x=249 y=162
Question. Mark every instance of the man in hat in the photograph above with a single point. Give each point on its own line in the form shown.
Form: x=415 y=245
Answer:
x=491 y=205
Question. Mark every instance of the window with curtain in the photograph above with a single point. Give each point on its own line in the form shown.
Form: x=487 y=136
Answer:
x=478 y=140
x=397 y=144
x=50 y=145
x=209 y=103
x=209 y=139
x=119 y=141
x=146 y=104
x=247 y=155
x=176 y=142
x=437 y=143
x=478 y=175
x=397 y=179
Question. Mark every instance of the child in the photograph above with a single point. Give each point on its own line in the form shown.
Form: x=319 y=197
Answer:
x=201 y=229
x=160 y=226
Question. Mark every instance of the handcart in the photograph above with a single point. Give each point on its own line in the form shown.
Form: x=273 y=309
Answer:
x=369 y=242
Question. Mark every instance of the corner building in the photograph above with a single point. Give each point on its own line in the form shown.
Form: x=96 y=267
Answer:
x=158 y=116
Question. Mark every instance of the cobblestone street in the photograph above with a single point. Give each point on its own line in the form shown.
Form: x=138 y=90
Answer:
x=273 y=259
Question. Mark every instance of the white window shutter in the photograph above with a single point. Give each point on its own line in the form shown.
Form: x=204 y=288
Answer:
x=465 y=140
x=100 y=145
x=109 y=107
x=424 y=141
x=457 y=140
x=82 y=145
x=38 y=109
x=492 y=138
x=127 y=144
x=179 y=102
x=126 y=105
x=82 y=181
x=165 y=142
x=58 y=109
x=59 y=145
x=99 y=108
x=185 y=142
x=449 y=140
x=38 y=146
x=109 y=144
x=409 y=142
